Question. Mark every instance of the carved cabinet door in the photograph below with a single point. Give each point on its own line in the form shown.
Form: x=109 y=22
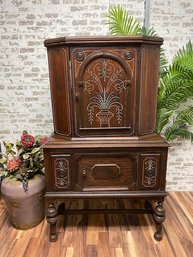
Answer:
x=103 y=88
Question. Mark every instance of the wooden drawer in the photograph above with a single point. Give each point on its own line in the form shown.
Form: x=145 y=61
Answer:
x=106 y=172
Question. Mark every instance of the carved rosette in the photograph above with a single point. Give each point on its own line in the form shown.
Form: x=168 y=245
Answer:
x=128 y=55
x=149 y=172
x=61 y=167
x=80 y=56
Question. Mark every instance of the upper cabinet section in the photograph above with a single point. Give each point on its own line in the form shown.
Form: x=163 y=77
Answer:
x=104 y=86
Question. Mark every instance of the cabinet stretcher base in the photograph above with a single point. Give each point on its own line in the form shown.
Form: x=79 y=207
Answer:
x=151 y=206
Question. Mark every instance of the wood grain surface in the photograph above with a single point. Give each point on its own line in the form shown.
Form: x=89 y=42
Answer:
x=112 y=235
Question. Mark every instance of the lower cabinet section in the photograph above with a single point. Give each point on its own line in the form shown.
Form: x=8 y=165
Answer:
x=106 y=171
x=131 y=170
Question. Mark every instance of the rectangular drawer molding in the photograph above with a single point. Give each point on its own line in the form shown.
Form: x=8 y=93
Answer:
x=106 y=172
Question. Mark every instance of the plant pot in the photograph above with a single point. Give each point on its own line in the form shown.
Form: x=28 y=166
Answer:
x=26 y=208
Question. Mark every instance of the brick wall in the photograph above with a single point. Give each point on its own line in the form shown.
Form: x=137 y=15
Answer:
x=24 y=83
x=174 y=21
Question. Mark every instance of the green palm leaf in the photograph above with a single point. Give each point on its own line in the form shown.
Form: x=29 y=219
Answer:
x=121 y=23
x=163 y=118
x=174 y=131
x=185 y=117
x=178 y=127
x=176 y=86
x=147 y=32
x=184 y=56
x=163 y=63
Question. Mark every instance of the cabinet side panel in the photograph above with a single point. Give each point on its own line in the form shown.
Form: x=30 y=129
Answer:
x=60 y=91
x=149 y=87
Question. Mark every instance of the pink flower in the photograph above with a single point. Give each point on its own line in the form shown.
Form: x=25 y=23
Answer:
x=44 y=139
x=27 y=140
x=13 y=164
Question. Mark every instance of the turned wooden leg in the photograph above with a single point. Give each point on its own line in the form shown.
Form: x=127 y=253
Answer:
x=52 y=220
x=159 y=217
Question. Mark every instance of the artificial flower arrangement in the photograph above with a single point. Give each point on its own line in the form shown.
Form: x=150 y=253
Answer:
x=24 y=159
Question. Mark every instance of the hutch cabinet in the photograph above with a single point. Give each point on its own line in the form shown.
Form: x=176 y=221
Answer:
x=104 y=145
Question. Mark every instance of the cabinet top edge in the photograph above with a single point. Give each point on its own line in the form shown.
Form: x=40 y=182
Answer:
x=154 y=140
x=72 y=40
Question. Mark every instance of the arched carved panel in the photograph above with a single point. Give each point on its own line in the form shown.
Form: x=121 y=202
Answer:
x=104 y=93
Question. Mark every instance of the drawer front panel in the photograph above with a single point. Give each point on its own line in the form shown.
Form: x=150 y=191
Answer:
x=106 y=172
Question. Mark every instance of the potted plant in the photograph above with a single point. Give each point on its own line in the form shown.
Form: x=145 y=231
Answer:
x=175 y=83
x=174 y=114
x=24 y=183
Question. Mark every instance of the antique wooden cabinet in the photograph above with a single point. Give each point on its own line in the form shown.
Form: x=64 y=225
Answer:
x=104 y=145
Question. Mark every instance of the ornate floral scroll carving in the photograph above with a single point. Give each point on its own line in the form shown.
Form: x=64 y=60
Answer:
x=149 y=172
x=61 y=167
x=105 y=80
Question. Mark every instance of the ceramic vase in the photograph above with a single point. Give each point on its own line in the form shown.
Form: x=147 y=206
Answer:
x=26 y=208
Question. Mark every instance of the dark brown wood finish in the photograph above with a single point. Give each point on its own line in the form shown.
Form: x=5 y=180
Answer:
x=110 y=82
x=60 y=90
x=148 y=89
x=103 y=81
x=104 y=97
